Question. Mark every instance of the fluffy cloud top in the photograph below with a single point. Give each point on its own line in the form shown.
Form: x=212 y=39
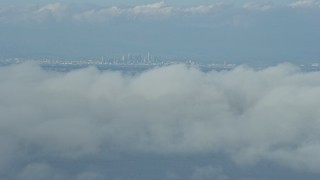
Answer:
x=247 y=115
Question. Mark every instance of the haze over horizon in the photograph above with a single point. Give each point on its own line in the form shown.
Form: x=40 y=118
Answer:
x=238 y=31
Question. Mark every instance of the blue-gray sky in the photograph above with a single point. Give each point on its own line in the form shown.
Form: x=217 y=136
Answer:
x=236 y=31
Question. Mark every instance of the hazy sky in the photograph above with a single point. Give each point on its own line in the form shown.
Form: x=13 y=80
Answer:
x=254 y=31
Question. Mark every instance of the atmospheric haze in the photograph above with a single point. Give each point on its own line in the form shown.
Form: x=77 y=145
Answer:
x=79 y=124
x=253 y=31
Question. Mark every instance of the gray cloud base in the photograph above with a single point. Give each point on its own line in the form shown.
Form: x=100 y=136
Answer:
x=247 y=115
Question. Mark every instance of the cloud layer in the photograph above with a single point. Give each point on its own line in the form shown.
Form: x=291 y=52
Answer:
x=59 y=12
x=246 y=115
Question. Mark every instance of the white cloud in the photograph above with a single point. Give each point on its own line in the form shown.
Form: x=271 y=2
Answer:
x=56 y=10
x=60 y=12
x=246 y=114
x=305 y=4
x=152 y=9
x=204 y=8
x=305 y=156
x=258 y=6
x=103 y=14
x=98 y=15
x=55 y=7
